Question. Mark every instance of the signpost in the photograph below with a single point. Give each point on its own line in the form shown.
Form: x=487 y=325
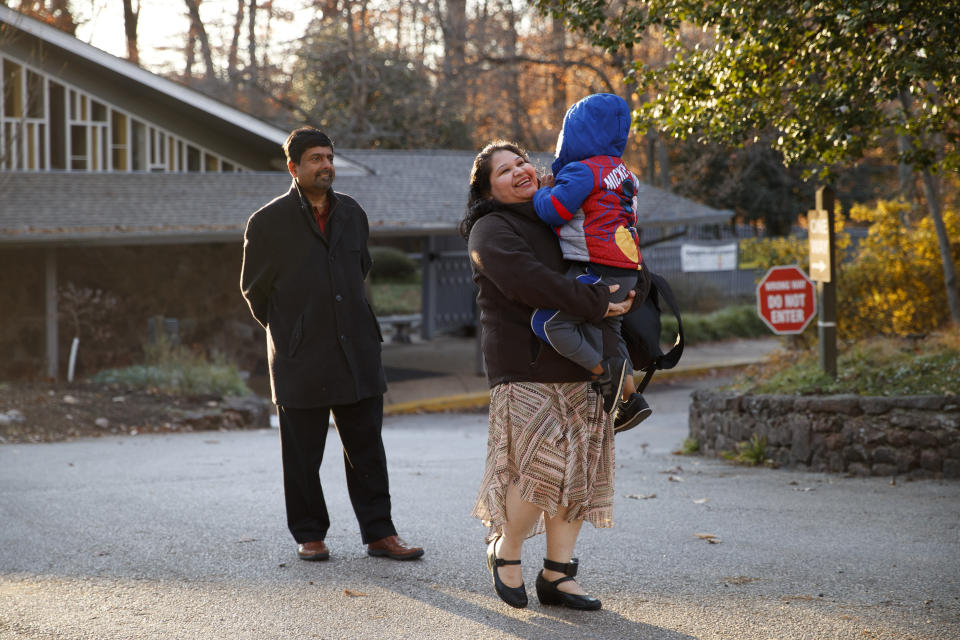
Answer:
x=820 y=228
x=786 y=300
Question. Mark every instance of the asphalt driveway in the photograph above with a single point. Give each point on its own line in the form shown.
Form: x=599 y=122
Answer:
x=183 y=536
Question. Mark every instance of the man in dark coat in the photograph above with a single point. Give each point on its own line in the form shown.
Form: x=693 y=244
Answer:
x=305 y=258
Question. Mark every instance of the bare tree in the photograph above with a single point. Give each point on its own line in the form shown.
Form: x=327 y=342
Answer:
x=232 y=71
x=200 y=33
x=130 y=18
x=253 y=74
x=453 y=24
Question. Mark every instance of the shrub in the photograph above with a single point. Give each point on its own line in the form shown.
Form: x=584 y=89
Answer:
x=177 y=370
x=749 y=453
x=701 y=296
x=763 y=253
x=874 y=367
x=688 y=447
x=738 y=321
x=392 y=265
x=894 y=285
x=391 y=298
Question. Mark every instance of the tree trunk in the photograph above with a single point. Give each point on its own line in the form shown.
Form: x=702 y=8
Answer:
x=194 y=7
x=190 y=53
x=946 y=255
x=932 y=193
x=663 y=158
x=329 y=9
x=232 y=72
x=130 y=18
x=559 y=88
x=358 y=69
x=253 y=73
x=513 y=75
x=907 y=179
x=651 y=140
x=454 y=53
x=62 y=18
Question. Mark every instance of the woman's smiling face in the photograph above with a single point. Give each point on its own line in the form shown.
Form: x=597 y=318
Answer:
x=512 y=178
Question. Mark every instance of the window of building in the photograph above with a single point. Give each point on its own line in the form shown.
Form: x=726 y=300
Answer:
x=119 y=142
x=58 y=126
x=47 y=124
x=78 y=147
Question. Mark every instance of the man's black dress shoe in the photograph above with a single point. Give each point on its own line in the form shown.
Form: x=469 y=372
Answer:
x=548 y=593
x=513 y=596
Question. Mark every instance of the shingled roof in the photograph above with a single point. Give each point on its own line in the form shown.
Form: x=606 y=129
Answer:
x=405 y=193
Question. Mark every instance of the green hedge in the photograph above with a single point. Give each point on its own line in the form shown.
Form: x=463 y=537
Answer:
x=392 y=265
x=738 y=321
x=177 y=370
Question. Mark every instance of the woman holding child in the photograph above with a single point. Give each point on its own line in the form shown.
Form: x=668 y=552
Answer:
x=550 y=457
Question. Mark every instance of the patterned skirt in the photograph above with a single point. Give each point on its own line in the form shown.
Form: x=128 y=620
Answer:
x=555 y=443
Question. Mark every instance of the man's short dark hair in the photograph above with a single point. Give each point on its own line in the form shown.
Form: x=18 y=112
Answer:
x=302 y=139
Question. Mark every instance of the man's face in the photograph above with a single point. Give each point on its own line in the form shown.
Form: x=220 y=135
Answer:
x=314 y=173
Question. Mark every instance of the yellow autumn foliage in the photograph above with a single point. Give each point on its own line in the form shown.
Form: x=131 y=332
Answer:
x=891 y=283
x=894 y=284
x=763 y=253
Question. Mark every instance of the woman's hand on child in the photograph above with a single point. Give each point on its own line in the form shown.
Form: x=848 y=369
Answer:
x=619 y=308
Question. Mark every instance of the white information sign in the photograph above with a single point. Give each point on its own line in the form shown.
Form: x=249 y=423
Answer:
x=708 y=257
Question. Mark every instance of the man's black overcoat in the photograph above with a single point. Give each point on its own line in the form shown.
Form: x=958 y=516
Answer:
x=306 y=289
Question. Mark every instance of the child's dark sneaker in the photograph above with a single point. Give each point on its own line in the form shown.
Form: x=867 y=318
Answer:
x=632 y=412
x=610 y=384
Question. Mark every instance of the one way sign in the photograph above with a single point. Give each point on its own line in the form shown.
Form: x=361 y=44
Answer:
x=818 y=228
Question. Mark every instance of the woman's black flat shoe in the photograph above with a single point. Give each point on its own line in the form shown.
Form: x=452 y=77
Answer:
x=548 y=593
x=513 y=596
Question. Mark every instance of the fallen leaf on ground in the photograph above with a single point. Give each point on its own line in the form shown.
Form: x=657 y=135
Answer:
x=641 y=496
x=709 y=537
x=674 y=479
x=796 y=597
x=354 y=594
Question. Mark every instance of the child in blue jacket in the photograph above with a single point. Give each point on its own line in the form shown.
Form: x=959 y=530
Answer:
x=591 y=207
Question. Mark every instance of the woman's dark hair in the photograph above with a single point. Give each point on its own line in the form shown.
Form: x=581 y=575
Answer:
x=302 y=139
x=479 y=202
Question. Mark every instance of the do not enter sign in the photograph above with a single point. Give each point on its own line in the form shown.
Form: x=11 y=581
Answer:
x=786 y=300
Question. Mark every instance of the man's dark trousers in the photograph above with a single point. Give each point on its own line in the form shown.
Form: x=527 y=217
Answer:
x=303 y=434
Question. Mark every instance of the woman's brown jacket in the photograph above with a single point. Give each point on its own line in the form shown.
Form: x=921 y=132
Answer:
x=518 y=267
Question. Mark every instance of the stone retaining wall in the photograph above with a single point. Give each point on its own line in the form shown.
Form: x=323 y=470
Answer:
x=862 y=435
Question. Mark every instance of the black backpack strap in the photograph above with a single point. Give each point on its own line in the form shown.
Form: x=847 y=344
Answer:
x=647 y=374
x=670 y=359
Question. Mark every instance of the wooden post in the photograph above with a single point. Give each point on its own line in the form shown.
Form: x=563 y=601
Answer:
x=827 y=291
x=50 y=285
x=428 y=276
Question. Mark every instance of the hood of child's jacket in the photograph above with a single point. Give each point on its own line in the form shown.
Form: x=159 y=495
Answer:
x=598 y=125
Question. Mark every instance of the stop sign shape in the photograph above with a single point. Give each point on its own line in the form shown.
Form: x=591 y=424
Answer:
x=786 y=300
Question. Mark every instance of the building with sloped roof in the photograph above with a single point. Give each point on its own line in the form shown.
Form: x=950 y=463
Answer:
x=124 y=196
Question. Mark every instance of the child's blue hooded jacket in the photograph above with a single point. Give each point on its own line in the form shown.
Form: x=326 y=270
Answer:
x=591 y=203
